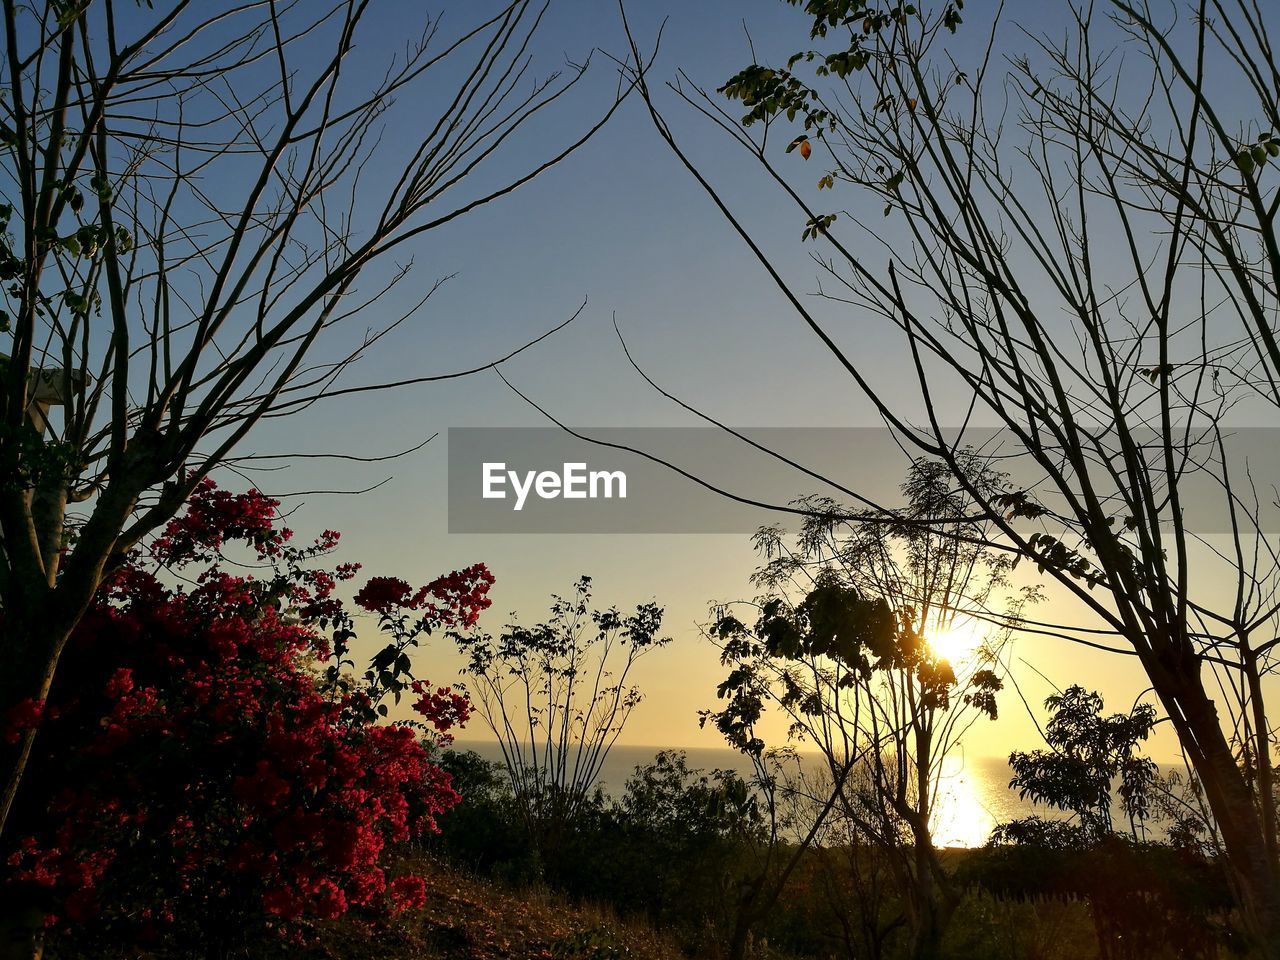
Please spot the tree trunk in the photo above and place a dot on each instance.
(21, 917)
(933, 909)
(1234, 807)
(934, 898)
(746, 916)
(927, 933)
(1262, 753)
(35, 654)
(740, 939)
(41, 608)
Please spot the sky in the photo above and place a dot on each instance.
(622, 226)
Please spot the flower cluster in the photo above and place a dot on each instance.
(455, 599)
(442, 707)
(193, 766)
(383, 594)
(21, 717)
(214, 517)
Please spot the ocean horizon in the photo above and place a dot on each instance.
(973, 798)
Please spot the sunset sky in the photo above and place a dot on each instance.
(623, 226)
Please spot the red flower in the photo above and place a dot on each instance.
(221, 768)
(382, 594)
(461, 596)
(442, 708)
(328, 900)
(283, 902)
(22, 716)
(263, 789)
(215, 516)
(121, 682)
(407, 893)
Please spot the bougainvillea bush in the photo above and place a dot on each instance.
(209, 768)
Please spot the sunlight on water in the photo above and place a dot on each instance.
(961, 817)
(972, 798)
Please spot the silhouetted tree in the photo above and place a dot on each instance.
(691, 835)
(192, 192)
(1078, 246)
(1147, 899)
(1090, 756)
(846, 644)
(557, 696)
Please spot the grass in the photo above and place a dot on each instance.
(471, 918)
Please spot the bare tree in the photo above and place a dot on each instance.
(1077, 246)
(191, 193)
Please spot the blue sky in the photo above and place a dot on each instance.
(622, 225)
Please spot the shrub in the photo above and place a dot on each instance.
(206, 770)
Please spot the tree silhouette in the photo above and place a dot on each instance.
(1078, 246)
(191, 197)
(841, 645)
(557, 697)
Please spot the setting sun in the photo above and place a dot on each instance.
(772, 480)
(957, 641)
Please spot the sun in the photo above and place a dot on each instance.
(958, 641)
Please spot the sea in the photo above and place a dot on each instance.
(973, 797)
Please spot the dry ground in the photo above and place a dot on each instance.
(469, 918)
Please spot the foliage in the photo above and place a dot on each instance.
(1147, 899)
(187, 213)
(595, 944)
(853, 26)
(556, 696)
(854, 34)
(688, 835)
(842, 646)
(1090, 755)
(205, 782)
(484, 832)
(673, 846)
(678, 845)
